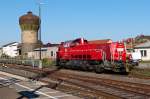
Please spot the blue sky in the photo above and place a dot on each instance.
(69, 19)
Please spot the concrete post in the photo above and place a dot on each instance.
(40, 64)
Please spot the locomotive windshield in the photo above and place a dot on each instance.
(67, 43)
(75, 42)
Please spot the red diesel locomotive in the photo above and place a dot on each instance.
(78, 54)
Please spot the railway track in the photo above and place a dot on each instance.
(92, 87)
(113, 87)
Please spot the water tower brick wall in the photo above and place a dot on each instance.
(29, 36)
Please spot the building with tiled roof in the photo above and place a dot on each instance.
(47, 51)
(10, 49)
(144, 49)
(143, 45)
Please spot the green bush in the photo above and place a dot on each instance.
(47, 63)
(140, 72)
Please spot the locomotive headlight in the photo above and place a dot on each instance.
(120, 58)
(65, 50)
(119, 49)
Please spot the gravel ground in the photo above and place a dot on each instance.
(8, 93)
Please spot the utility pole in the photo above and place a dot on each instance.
(39, 33)
(40, 30)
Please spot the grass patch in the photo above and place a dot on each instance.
(140, 72)
(144, 61)
(48, 63)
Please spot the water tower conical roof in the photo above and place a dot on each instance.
(29, 18)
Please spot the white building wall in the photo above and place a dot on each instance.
(144, 58)
(52, 52)
(1, 51)
(11, 50)
(36, 54)
(49, 52)
(31, 55)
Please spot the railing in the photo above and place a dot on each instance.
(26, 62)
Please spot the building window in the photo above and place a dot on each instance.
(143, 53)
(52, 53)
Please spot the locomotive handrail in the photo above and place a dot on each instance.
(112, 57)
(84, 50)
(103, 56)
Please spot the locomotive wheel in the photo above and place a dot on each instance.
(99, 68)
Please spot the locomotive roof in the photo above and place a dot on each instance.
(103, 41)
(70, 41)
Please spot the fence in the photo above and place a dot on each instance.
(26, 62)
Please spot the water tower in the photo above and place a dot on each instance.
(29, 24)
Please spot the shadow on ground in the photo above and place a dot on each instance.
(29, 94)
(43, 74)
(33, 94)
